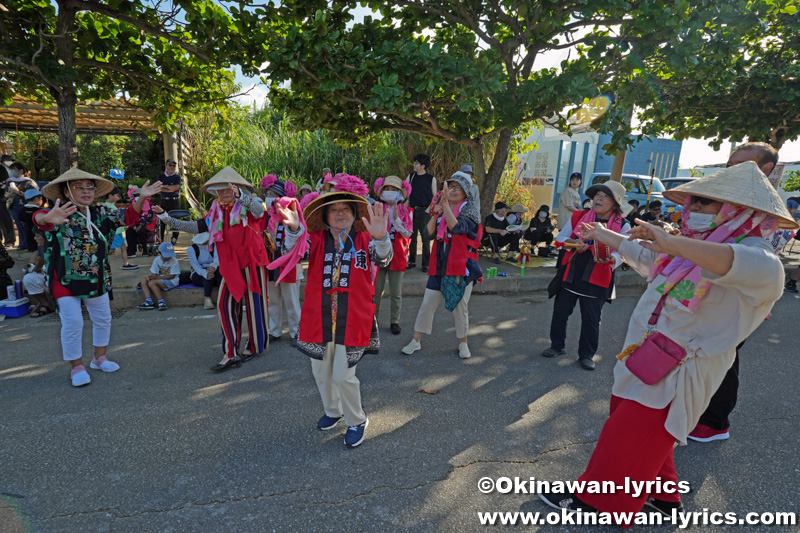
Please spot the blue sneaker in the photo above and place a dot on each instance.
(355, 434)
(327, 422)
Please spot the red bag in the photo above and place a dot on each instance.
(654, 359)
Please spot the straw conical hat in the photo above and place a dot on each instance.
(225, 176)
(313, 211)
(743, 184)
(53, 189)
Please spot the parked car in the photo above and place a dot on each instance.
(637, 186)
(671, 183)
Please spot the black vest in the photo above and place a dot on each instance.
(421, 190)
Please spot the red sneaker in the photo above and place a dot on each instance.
(703, 433)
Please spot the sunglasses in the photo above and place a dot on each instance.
(703, 201)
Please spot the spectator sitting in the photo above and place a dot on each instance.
(514, 218)
(36, 286)
(496, 235)
(163, 276)
(634, 214)
(541, 231)
(653, 212)
(33, 203)
(205, 266)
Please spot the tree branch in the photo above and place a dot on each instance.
(97, 7)
(31, 71)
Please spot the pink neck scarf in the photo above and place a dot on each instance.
(238, 214)
(442, 230)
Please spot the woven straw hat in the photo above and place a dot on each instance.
(616, 189)
(313, 211)
(744, 185)
(394, 181)
(226, 176)
(53, 189)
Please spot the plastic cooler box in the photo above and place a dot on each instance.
(14, 308)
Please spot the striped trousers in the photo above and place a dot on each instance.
(230, 315)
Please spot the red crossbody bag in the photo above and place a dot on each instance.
(657, 355)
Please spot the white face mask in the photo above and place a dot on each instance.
(390, 196)
(699, 221)
(7, 163)
(268, 200)
(543, 214)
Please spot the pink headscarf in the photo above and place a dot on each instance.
(733, 223)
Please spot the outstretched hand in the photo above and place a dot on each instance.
(60, 214)
(157, 209)
(376, 225)
(148, 190)
(653, 237)
(289, 215)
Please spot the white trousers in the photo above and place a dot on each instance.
(69, 309)
(280, 295)
(430, 303)
(338, 385)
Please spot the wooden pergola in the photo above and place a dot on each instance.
(102, 117)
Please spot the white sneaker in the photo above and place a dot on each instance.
(105, 366)
(81, 378)
(463, 350)
(208, 304)
(412, 347)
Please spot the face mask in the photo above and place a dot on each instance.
(498, 217)
(14, 173)
(7, 163)
(268, 200)
(699, 221)
(389, 196)
(543, 214)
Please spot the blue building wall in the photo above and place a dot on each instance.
(649, 153)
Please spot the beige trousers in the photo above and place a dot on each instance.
(284, 295)
(338, 385)
(430, 303)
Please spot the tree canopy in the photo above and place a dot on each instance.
(741, 81)
(463, 71)
(164, 57)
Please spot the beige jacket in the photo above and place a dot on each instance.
(735, 306)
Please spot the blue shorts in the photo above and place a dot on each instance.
(119, 240)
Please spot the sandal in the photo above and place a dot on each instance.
(41, 310)
(34, 311)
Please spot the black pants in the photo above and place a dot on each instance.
(207, 284)
(168, 204)
(724, 400)
(136, 236)
(421, 219)
(539, 236)
(590, 322)
(497, 241)
(6, 225)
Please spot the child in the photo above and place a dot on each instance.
(119, 237)
(163, 277)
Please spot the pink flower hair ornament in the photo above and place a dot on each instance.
(290, 189)
(268, 181)
(352, 184)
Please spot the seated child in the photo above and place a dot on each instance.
(164, 275)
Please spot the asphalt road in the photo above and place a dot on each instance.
(164, 445)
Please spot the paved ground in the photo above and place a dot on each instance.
(164, 445)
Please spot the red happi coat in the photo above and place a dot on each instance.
(355, 307)
(461, 248)
(241, 247)
(602, 273)
(400, 244)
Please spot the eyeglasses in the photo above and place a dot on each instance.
(703, 201)
(86, 188)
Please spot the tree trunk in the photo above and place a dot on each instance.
(491, 180)
(67, 101)
(65, 97)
